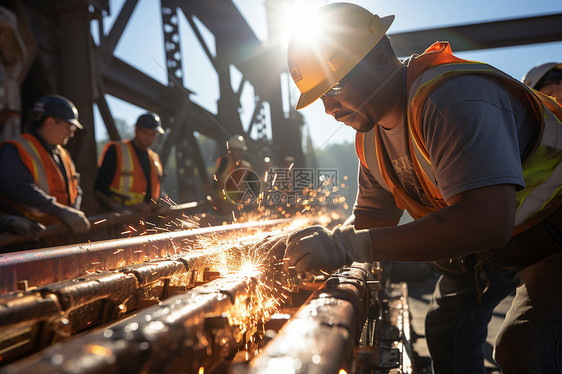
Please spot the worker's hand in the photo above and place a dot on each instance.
(272, 248)
(22, 226)
(142, 207)
(75, 219)
(316, 248)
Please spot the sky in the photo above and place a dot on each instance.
(141, 46)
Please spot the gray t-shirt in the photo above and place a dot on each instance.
(476, 133)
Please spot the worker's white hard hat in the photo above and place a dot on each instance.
(236, 142)
(538, 72)
(346, 33)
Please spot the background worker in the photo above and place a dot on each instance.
(546, 78)
(38, 177)
(130, 172)
(229, 173)
(474, 156)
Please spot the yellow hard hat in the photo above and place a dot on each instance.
(348, 33)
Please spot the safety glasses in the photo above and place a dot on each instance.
(72, 127)
(338, 87)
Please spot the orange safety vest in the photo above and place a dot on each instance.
(129, 180)
(541, 169)
(46, 174)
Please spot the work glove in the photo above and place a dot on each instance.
(21, 226)
(272, 248)
(316, 248)
(75, 219)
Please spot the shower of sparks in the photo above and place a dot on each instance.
(252, 254)
(168, 200)
(253, 258)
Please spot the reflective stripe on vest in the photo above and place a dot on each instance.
(542, 170)
(129, 183)
(127, 164)
(46, 175)
(38, 171)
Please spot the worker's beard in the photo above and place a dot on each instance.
(365, 127)
(365, 123)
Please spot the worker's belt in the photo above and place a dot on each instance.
(538, 242)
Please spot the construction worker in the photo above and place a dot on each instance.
(38, 177)
(231, 169)
(130, 172)
(473, 155)
(546, 78)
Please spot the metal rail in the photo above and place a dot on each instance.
(190, 332)
(101, 221)
(35, 319)
(39, 267)
(350, 325)
(321, 336)
(188, 320)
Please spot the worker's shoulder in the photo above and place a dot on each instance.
(112, 144)
(109, 151)
(9, 150)
(9, 157)
(470, 87)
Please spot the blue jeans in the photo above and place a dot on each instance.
(530, 338)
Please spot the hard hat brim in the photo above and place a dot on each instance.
(76, 123)
(307, 98)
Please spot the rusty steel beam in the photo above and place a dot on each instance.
(190, 332)
(49, 265)
(495, 34)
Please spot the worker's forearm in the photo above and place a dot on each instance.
(465, 227)
(363, 221)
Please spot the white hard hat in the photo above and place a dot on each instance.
(535, 74)
(236, 142)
